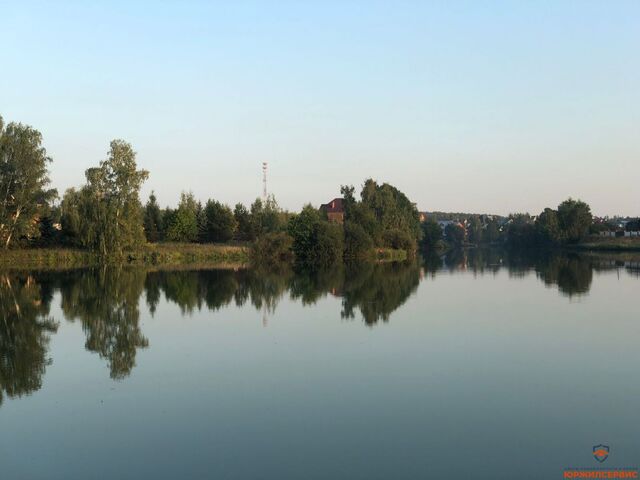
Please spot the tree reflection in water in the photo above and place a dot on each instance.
(106, 301)
(25, 329)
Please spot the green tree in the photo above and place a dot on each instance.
(152, 220)
(110, 202)
(381, 208)
(357, 242)
(183, 222)
(454, 233)
(245, 229)
(548, 226)
(521, 231)
(399, 240)
(328, 244)
(23, 182)
(431, 234)
(301, 228)
(219, 222)
(272, 249)
(266, 217)
(574, 217)
(391, 207)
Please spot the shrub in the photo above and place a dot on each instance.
(357, 242)
(399, 240)
(327, 244)
(272, 248)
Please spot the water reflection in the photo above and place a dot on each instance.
(571, 273)
(25, 329)
(106, 301)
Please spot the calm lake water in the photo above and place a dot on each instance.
(478, 365)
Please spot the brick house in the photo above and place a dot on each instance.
(334, 210)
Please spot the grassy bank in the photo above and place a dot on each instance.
(151, 254)
(611, 244)
(390, 255)
(156, 254)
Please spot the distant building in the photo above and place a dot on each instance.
(423, 216)
(334, 210)
(445, 223)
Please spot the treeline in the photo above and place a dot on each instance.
(105, 215)
(213, 222)
(383, 217)
(570, 223)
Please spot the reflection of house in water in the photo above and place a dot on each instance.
(334, 210)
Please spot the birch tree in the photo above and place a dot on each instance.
(24, 178)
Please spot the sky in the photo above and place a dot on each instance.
(487, 107)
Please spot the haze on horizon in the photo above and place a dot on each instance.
(462, 106)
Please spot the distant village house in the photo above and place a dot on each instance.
(334, 210)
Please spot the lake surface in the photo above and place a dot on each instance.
(477, 365)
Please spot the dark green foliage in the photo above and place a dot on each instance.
(381, 208)
(219, 224)
(399, 240)
(570, 223)
(271, 249)
(391, 207)
(521, 231)
(153, 227)
(328, 244)
(633, 225)
(548, 227)
(245, 230)
(454, 233)
(357, 242)
(431, 234)
(315, 241)
(301, 228)
(574, 218)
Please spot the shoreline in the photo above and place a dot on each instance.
(174, 255)
(169, 254)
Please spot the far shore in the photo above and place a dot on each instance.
(610, 244)
(174, 255)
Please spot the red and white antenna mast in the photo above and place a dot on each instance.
(264, 180)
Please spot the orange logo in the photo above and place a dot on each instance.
(601, 452)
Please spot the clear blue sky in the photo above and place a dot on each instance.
(466, 106)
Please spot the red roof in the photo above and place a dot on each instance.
(334, 206)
